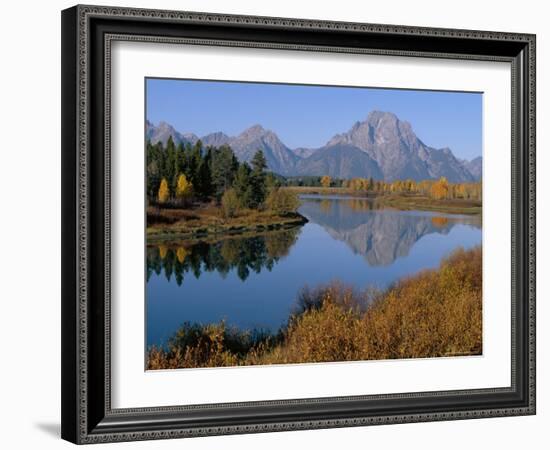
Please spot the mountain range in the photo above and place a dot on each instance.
(381, 147)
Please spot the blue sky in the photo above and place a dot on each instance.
(308, 116)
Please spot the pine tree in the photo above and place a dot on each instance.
(370, 184)
(242, 185)
(203, 185)
(153, 171)
(223, 168)
(258, 179)
(171, 162)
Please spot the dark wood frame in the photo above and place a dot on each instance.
(87, 32)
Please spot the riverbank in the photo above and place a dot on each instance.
(398, 201)
(417, 202)
(319, 190)
(208, 220)
(436, 313)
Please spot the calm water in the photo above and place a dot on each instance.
(253, 282)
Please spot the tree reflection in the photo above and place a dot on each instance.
(244, 255)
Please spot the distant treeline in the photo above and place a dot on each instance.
(180, 174)
(438, 189)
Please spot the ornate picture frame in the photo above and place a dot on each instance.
(88, 33)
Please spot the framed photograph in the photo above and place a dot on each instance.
(279, 224)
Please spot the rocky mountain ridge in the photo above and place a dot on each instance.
(381, 147)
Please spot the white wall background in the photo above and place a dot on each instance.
(30, 223)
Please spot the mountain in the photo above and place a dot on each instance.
(280, 159)
(339, 161)
(381, 147)
(161, 133)
(303, 152)
(215, 139)
(475, 167)
(399, 153)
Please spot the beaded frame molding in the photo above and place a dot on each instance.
(87, 35)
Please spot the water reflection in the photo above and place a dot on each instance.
(380, 235)
(245, 255)
(253, 281)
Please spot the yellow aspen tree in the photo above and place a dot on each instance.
(325, 181)
(163, 251)
(181, 253)
(164, 191)
(440, 189)
(183, 187)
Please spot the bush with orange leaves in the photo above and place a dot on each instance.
(434, 313)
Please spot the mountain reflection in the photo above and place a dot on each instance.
(242, 254)
(380, 235)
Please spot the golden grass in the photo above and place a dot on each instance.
(420, 202)
(325, 190)
(209, 220)
(434, 313)
(397, 200)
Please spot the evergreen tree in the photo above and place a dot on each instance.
(370, 184)
(181, 161)
(203, 186)
(272, 182)
(258, 179)
(152, 170)
(223, 168)
(242, 185)
(171, 163)
(195, 160)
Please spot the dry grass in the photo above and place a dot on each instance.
(300, 190)
(421, 202)
(208, 219)
(434, 313)
(397, 200)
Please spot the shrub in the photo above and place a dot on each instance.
(213, 345)
(282, 201)
(434, 313)
(230, 203)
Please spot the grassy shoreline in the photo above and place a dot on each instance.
(435, 313)
(208, 222)
(319, 190)
(399, 201)
(454, 206)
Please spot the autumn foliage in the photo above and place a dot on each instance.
(164, 192)
(325, 181)
(437, 189)
(434, 313)
(440, 189)
(184, 188)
